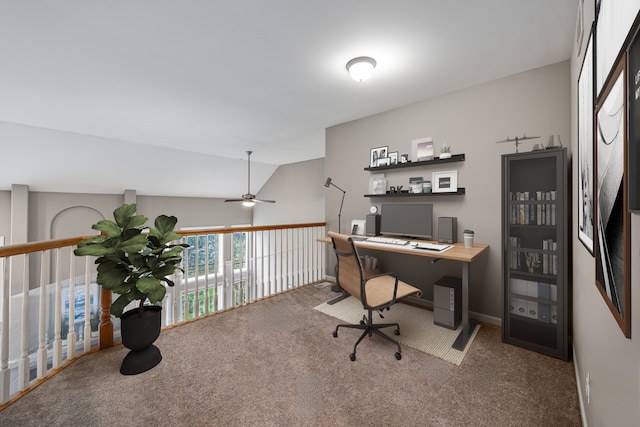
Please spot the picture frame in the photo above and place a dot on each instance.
(422, 149)
(376, 154)
(384, 161)
(633, 115)
(393, 158)
(586, 176)
(612, 232)
(415, 184)
(445, 182)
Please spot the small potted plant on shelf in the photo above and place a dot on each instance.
(136, 261)
(445, 151)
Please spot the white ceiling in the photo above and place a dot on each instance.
(217, 78)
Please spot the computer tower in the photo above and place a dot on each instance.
(447, 302)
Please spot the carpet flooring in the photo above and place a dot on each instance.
(417, 329)
(276, 363)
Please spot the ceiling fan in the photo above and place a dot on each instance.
(249, 199)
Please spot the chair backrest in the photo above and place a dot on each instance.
(349, 274)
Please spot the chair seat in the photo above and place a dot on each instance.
(379, 291)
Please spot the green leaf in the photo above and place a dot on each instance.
(165, 224)
(117, 307)
(109, 228)
(133, 245)
(93, 250)
(136, 221)
(152, 288)
(111, 275)
(124, 213)
(96, 240)
(157, 295)
(148, 284)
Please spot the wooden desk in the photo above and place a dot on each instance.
(457, 253)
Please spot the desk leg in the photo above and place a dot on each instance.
(467, 325)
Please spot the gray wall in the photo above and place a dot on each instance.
(298, 191)
(471, 121)
(601, 350)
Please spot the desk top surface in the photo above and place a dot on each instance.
(457, 252)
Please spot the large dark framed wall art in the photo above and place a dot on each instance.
(586, 176)
(633, 100)
(612, 232)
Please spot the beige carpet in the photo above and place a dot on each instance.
(417, 329)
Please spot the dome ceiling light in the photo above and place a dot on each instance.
(361, 68)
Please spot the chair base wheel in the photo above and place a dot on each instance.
(397, 332)
(335, 334)
(398, 356)
(352, 356)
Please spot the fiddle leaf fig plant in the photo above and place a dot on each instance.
(134, 261)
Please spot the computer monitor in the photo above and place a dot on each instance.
(407, 220)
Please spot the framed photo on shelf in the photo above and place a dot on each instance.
(384, 161)
(393, 158)
(585, 147)
(445, 182)
(422, 149)
(377, 154)
(612, 233)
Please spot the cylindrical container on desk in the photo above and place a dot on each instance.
(468, 238)
(426, 187)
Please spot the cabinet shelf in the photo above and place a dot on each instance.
(460, 191)
(536, 224)
(435, 161)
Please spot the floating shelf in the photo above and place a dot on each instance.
(457, 193)
(435, 161)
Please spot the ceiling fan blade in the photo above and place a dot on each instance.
(234, 200)
(264, 201)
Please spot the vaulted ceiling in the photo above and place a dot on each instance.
(202, 81)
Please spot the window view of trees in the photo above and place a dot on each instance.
(197, 254)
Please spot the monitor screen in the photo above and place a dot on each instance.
(407, 220)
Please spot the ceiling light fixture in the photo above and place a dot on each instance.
(361, 68)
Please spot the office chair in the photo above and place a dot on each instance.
(375, 292)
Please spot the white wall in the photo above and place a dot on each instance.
(536, 102)
(601, 350)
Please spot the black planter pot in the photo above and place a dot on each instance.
(138, 335)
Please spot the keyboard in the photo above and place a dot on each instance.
(387, 241)
(435, 247)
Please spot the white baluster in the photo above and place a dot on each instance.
(87, 305)
(42, 327)
(71, 333)
(5, 373)
(57, 341)
(23, 365)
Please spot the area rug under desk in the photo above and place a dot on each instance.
(416, 327)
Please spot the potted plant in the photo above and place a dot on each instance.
(445, 151)
(135, 261)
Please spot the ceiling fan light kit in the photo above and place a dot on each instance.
(248, 199)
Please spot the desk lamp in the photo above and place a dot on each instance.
(327, 184)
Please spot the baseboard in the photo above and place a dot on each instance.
(583, 412)
(429, 305)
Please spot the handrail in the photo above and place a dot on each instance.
(46, 288)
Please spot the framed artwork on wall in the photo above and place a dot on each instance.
(633, 105)
(612, 233)
(585, 147)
